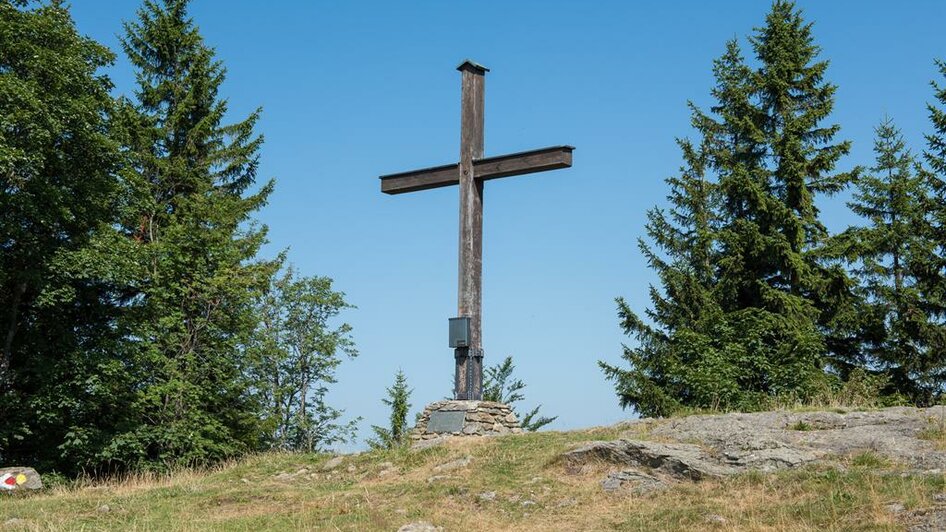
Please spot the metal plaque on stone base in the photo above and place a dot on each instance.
(446, 421)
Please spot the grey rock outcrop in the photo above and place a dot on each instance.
(713, 446)
(771, 437)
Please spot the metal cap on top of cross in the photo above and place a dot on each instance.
(470, 173)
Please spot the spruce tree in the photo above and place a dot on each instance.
(665, 363)
(800, 305)
(935, 153)
(749, 307)
(499, 386)
(189, 210)
(706, 345)
(795, 308)
(892, 255)
(933, 281)
(398, 400)
(795, 100)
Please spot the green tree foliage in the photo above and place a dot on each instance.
(189, 207)
(801, 154)
(672, 357)
(934, 280)
(295, 353)
(398, 401)
(894, 255)
(61, 387)
(748, 308)
(935, 153)
(499, 386)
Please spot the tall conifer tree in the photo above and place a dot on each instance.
(771, 308)
(934, 279)
(935, 153)
(893, 254)
(189, 210)
(802, 155)
(674, 362)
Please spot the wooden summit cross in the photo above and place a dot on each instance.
(472, 170)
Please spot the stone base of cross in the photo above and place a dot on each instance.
(470, 174)
(446, 419)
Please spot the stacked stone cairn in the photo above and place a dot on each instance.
(480, 418)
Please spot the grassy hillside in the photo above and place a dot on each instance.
(510, 483)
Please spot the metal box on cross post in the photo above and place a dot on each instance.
(460, 332)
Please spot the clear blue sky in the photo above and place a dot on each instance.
(353, 90)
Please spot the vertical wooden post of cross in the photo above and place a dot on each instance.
(469, 360)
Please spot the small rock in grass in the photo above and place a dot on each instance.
(639, 482)
(14, 521)
(611, 484)
(352, 468)
(386, 469)
(528, 502)
(940, 497)
(715, 519)
(420, 526)
(564, 503)
(333, 463)
(487, 496)
(455, 464)
(426, 444)
(104, 509)
(895, 507)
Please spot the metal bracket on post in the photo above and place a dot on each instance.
(471, 360)
(470, 355)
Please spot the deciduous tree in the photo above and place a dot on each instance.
(62, 388)
(294, 356)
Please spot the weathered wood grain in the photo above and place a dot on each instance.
(470, 289)
(527, 162)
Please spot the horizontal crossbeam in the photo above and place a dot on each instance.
(526, 162)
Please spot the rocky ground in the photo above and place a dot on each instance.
(654, 454)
